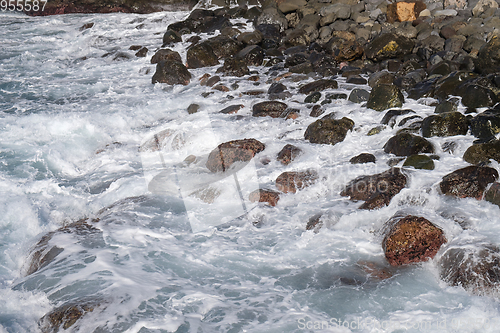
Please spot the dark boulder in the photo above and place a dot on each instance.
(318, 86)
(468, 182)
(388, 46)
(296, 180)
(273, 109)
(445, 124)
(488, 58)
(328, 131)
(359, 95)
(288, 154)
(313, 98)
(226, 154)
(201, 55)
(363, 158)
(483, 152)
(234, 67)
(376, 190)
(474, 267)
(406, 144)
(65, 316)
(344, 49)
(232, 109)
(411, 239)
(419, 162)
(223, 47)
(448, 85)
(486, 125)
(253, 55)
(201, 21)
(264, 195)
(390, 116)
(424, 88)
(171, 72)
(493, 194)
(171, 37)
(385, 96)
(276, 88)
(476, 96)
(166, 55)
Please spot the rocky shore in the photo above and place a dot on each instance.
(442, 54)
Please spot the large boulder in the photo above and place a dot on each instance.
(223, 46)
(65, 316)
(166, 55)
(486, 125)
(55, 7)
(385, 96)
(388, 46)
(272, 15)
(288, 154)
(493, 194)
(226, 154)
(343, 49)
(476, 96)
(273, 109)
(201, 55)
(411, 239)
(468, 182)
(483, 152)
(406, 144)
(445, 124)
(296, 180)
(234, 67)
(474, 267)
(253, 55)
(317, 86)
(376, 190)
(171, 72)
(201, 21)
(488, 58)
(328, 131)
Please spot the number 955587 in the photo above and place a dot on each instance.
(23, 5)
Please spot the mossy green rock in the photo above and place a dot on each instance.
(445, 124)
(483, 152)
(385, 96)
(201, 55)
(406, 144)
(328, 131)
(388, 46)
(488, 58)
(419, 162)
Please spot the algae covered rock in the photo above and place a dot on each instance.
(483, 152)
(328, 131)
(387, 46)
(468, 182)
(445, 124)
(385, 96)
(419, 162)
(406, 144)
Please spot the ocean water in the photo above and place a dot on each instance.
(75, 109)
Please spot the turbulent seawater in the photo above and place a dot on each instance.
(75, 106)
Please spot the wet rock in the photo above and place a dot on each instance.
(253, 55)
(250, 37)
(388, 46)
(381, 77)
(201, 21)
(411, 239)
(193, 108)
(272, 109)
(316, 111)
(474, 267)
(419, 162)
(171, 37)
(166, 55)
(450, 105)
(276, 88)
(486, 125)
(318, 86)
(483, 152)
(391, 115)
(342, 49)
(86, 26)
(376, 190)
(315, 223)
(288, 154)
(448, 84)
(313, 98)
(468, 182)
(328, 131)
(272, 15)
(296, 180)
(445, 124)
(356, 79)
(359, 95)
(363, 158)
(476, 96)
(142, 52)
(65, 316)
(171, 72)
(234, 67)
(45, 252)
(384, 96)
(423, 89)
(201, 55)
(226, 154)
(406, 144)
(488, 58)
(265, 195)
(493, 194)
(231, 109)
(223, 47)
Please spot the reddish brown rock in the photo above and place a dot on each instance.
(67, 315)
(264, 195)
(468, 182)
(377, 190)
(295, 180)
(166, 55)
(288, 154)
(272, 109)
(411, 239)
(228, 153)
